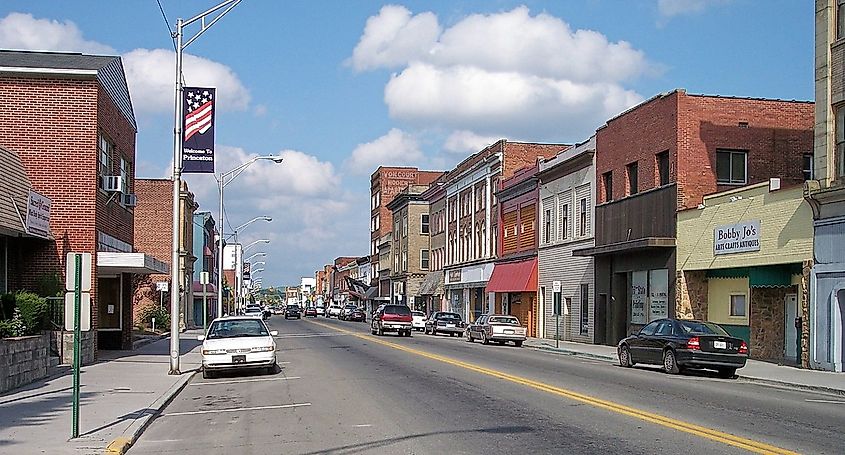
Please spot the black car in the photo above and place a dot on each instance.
(678, 344)
(292, 311)
(357, 315)
(445, 322)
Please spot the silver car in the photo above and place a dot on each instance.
(499, 328)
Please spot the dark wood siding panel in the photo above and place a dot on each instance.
(649, 214)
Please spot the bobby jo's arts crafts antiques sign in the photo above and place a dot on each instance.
(737, 238)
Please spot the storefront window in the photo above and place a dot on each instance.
(649, 295)
(738, 305)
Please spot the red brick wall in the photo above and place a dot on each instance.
(519, 155)
(113, 218)
(154, 218)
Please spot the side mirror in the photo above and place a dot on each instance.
(274, 333)
(200, 337)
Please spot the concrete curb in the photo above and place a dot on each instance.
(148, 340)
(122, 443)
(571, 352)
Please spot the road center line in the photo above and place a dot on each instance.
(238, 381)
(704, 432)
(825, 401)
(255, 408)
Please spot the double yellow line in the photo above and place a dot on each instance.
(707, 433)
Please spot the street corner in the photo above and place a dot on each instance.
(119, 445)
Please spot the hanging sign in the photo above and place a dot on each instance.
(198, 130)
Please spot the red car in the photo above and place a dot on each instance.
(311, 311)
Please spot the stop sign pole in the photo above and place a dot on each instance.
(78, 285)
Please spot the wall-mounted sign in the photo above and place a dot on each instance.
(737, 238)
(38, 215)
(658, 294)
(454, 276)
(639, 295)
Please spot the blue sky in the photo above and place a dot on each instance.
(339, 87)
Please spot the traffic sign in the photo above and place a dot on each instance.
(555, 286)
(70, 272)
(84, 315)
(162, 286)
(204, 279)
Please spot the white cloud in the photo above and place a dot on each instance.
(541, 80)
(260, 110)
(670, 8)
(396, 148)
(150, 75)
(25, 32)
(463, 142)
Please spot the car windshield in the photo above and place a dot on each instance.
(418, 313)
(236, 328)
(397, 309)
(701, 328)
(504, 320)
(453, 316)
(293, 307)
(252, 310)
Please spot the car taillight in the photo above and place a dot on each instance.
(743, 348)
(694, 343)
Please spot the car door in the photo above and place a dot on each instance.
(639, 344)
(477, 326)
(661, 338)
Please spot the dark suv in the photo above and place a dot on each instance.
(292, 311)
(392, 318)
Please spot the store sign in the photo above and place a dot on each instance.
(737, 238)
(38, 215)
(454, 276)
(658, 294)
(639, 295)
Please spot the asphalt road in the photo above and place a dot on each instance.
(344, 391)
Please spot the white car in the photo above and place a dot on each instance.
(238, 342)
(418, 322)
(334, 311)
(321, 310)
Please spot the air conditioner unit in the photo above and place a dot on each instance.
(111, 183)
(130, 200)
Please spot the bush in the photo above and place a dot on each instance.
(145, 316)
(33, 312)
(7, 307)
(13, 327)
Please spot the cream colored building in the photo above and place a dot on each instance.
(744, 259)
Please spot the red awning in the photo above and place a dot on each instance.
(514, 277)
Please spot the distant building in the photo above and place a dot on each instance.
(410, 253)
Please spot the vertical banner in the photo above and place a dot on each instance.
(246, 271)
(198, 130)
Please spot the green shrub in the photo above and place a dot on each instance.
(33, 311)
(13, 327)
(7, 307)
(162, 317)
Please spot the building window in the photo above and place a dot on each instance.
(633, 183)
(424, 227)
(607, 180)
(582, 217)
(840, 141)
(106, 150)
(396, 229)
(125, 173)
(547, 226)
(585, 308)
(731, 167)
(807, 166)
(424, 259)
(840, 19)
(405, 225)
(738, 305)
(564, 221)
(663, 167)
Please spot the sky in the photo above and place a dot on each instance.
(340, 87)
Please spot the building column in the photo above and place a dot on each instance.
(474, 241)
(487, 208)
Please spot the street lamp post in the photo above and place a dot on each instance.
(231, 175)
(175, 282)
(240, 282)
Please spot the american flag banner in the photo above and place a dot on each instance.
(198, 130)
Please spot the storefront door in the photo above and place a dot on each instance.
(790, 341)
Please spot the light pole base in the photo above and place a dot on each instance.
(174, 372)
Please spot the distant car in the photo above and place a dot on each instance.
(254, 311)
(292, 311)
(445, 322)
(334, 311)
(344, 312)
(498, 328)
(392, 318)
(357, 315)
(418, 322)
(237, 342)
(277, 309)
(321, 310)
(679, 343)
(311, 311)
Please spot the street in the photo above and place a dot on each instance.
(342, 391)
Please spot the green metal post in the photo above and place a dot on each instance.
(204, 310)
(557, 330)
(77, 333)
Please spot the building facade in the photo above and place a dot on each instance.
(342, 269)
(471, 221)
(96, 149)
(431, 289)
(826, 190)
(409, 251)
(566, 282)
(663, 156)
(205, 250)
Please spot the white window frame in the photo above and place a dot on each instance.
(426, 223)
(105, 149)
(426, 256)
(744, 306)
(583, 208)
(808, 171)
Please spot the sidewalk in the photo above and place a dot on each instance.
(755, 370)
(118, 396)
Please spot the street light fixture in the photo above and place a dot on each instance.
(178, 117)
(258, 218)
(260, 253)
(268, 219)
(255, 243)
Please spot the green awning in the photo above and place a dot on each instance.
(760, 277)
(734, 272)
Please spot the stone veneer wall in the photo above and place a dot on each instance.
(767, 322)
(87, 348)
(692, 294)
(23, 360)
(807, 269)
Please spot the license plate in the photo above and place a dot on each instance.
(508, 331)
(450, 326)
(238, 359)
(720, 344)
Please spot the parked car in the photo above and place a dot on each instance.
(237, 342)
(678, 344)
(292, 311)
(311, 311)
(392, 318)
(333, 311)
(357, 315)
(254, 311)
(418, 322)
(445, 322)
(499, 328)
(321, 310)
(344, 312)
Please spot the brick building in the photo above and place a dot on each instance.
(342, 268)
(205, 250)
(431, 289)
(153, 227)
(410, 254)
(663, 156)
(471, 221)
(69, 119)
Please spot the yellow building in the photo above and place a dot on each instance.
(744, 259)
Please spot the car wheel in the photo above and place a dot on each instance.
(727, 373)
(484, 339)
(518, 343)
(625, 357)
(408, 333)
(670, 363)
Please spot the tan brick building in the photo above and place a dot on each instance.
(410, 254)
